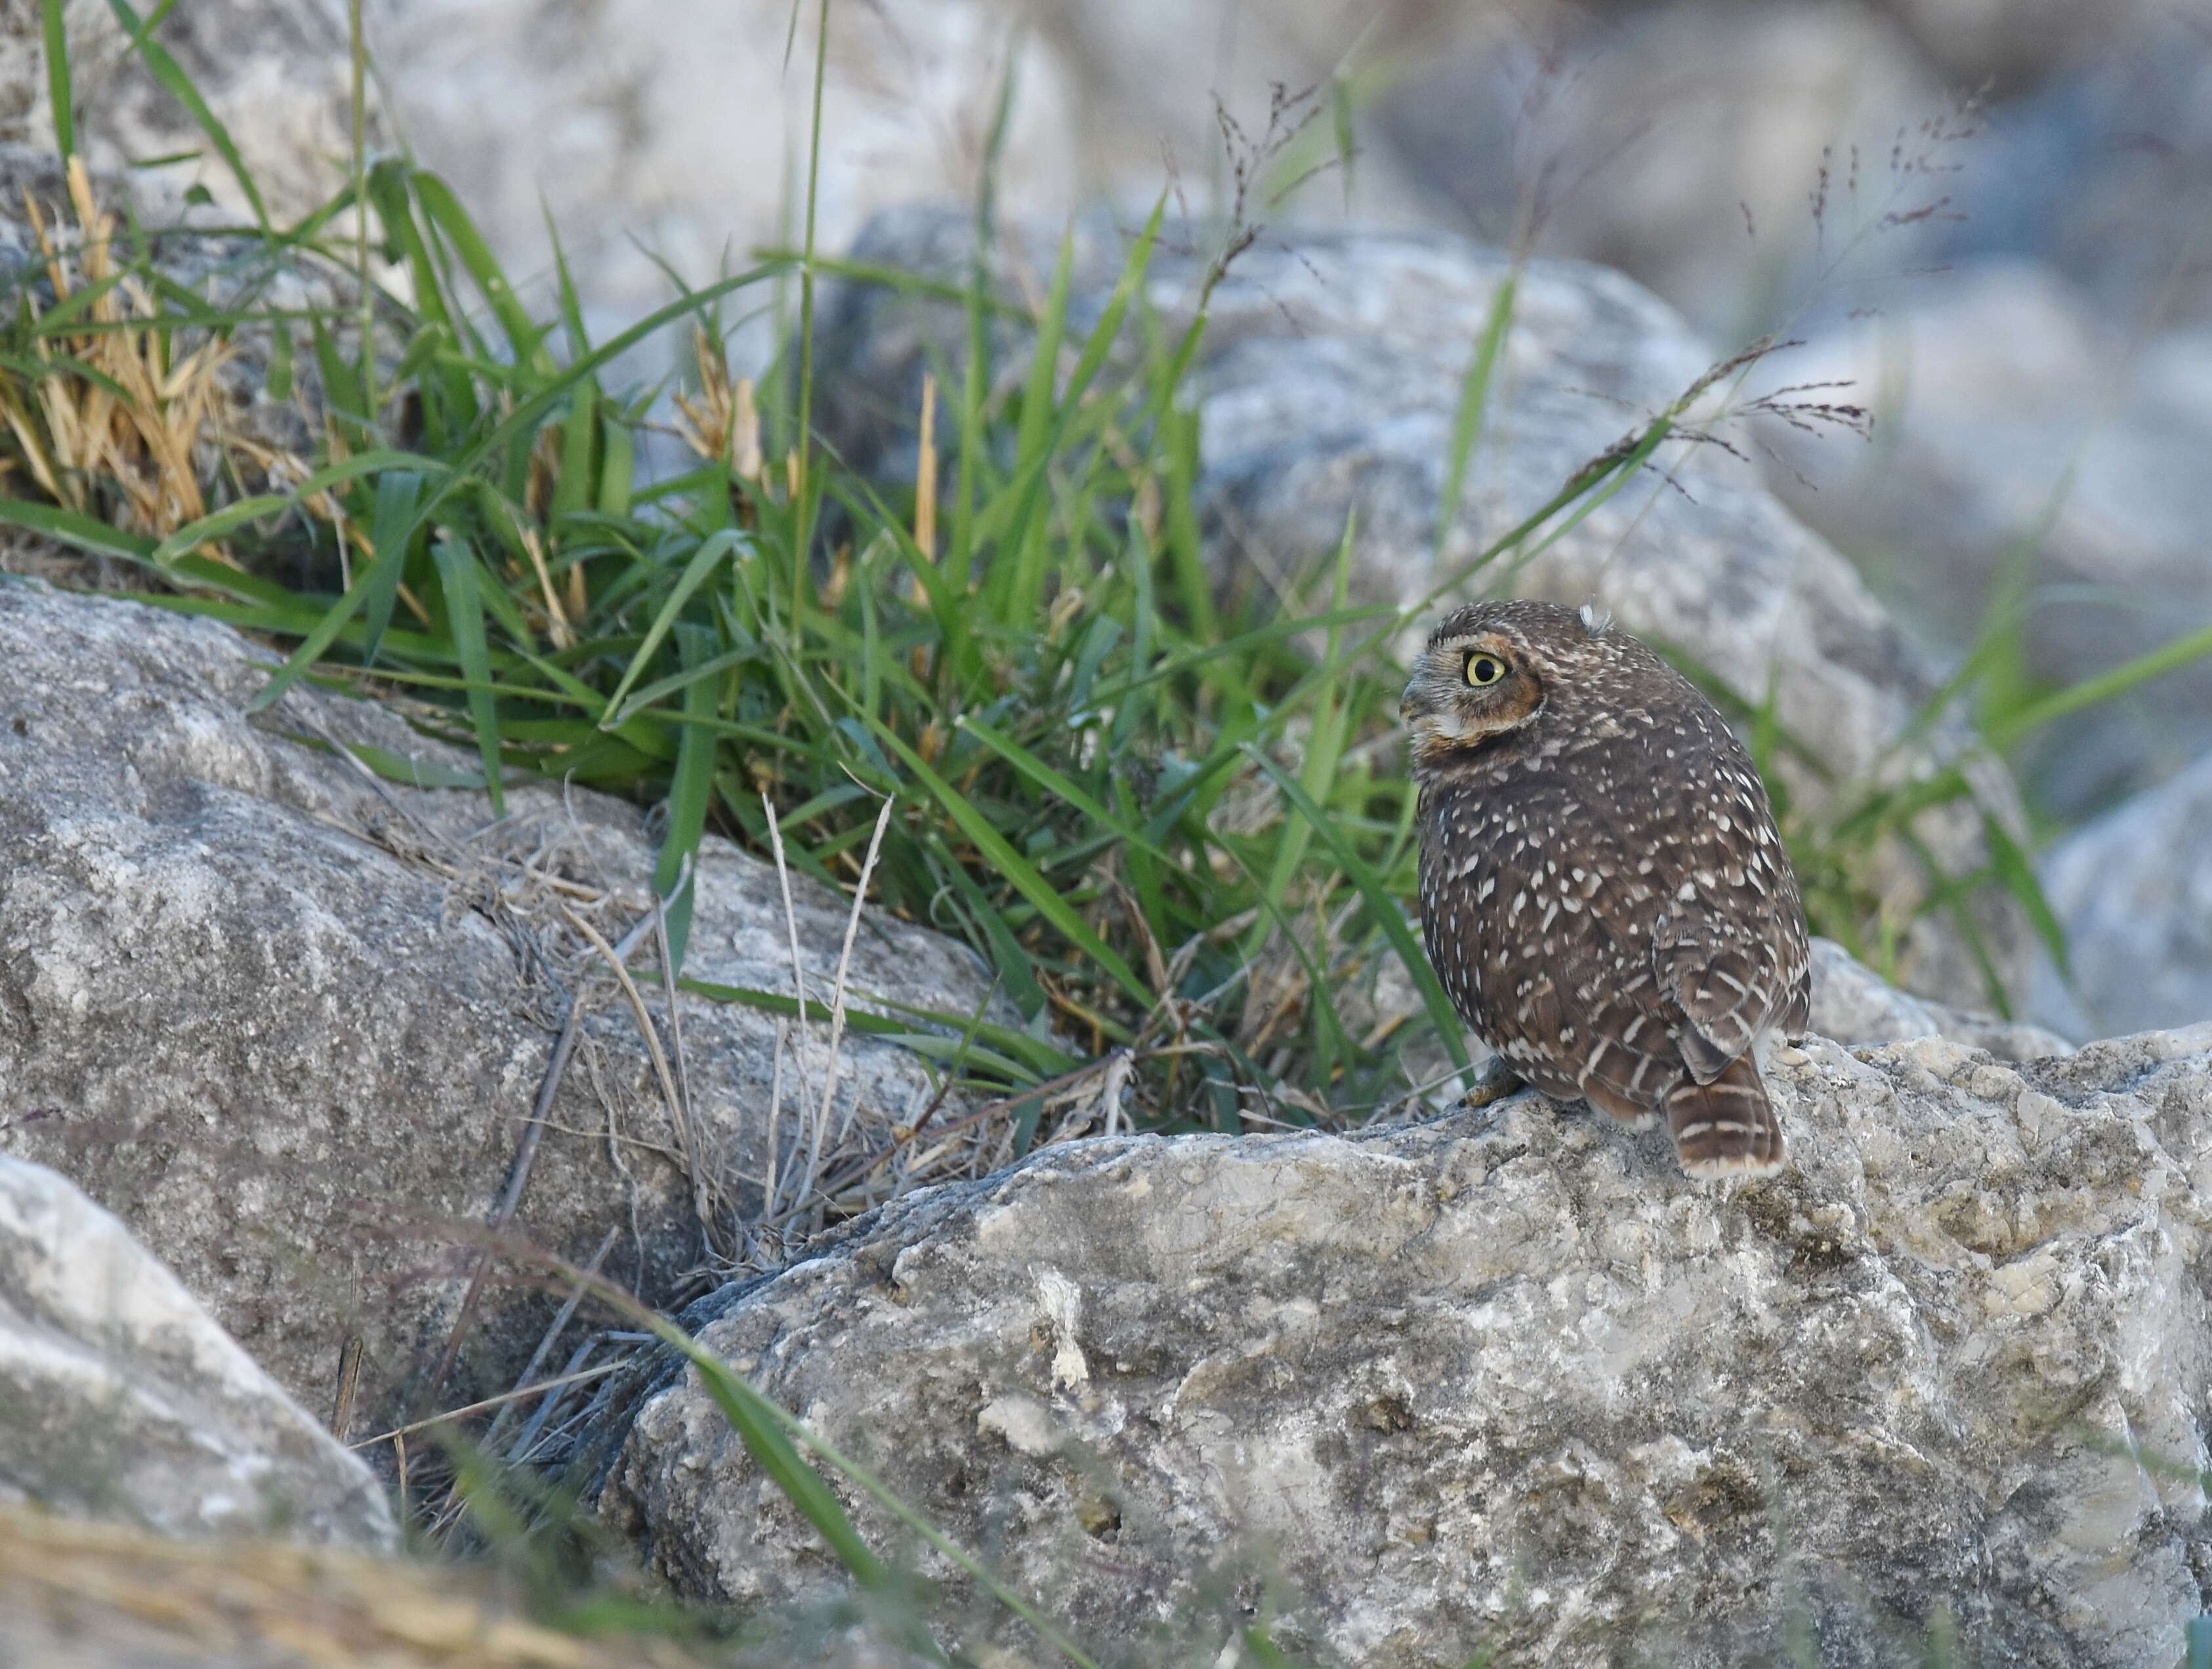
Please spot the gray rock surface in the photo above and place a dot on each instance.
(2014, 425)
(274, 72)
(288, 1028)
(1506, 1382)
(119, 1396)
(1682, 143)
(2009, 41)
(1855, 1007)
(2134, 892)
(1327, 385)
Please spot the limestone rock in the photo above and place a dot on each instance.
(2014, 41)
(1327, 386)
(274, 72)
(2134, 892)
(2015, 424)
(287, 1024)
(1681, 143)
(1508, 1383)
(119, 1396)
(1855, 1007)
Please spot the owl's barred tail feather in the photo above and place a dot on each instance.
(1726, 1127)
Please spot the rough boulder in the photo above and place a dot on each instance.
(1507, 1381)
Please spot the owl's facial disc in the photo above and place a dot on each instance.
(1465, 690)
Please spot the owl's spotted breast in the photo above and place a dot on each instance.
(1604, 894)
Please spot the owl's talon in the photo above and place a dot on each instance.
(1494, 1082)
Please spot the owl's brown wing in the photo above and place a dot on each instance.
(1731, 952)
(1729, 984)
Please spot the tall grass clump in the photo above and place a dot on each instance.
(1175, 834)
(1175, 827)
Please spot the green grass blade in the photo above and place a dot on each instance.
(221, 524)
(523, 338)
(457, 569)
(2017, 876)
(1061, 785)
(1324, 748)
(59, 86)
(689, 792)
(403, 768)
(1033, 438)
(711, 552)
(85, 533)
(991, 937)
(754, 1418)
(769, 1433)
(661, 688)
(1475, 404)
(1385, 909)
(884, 1497)
(617, 464)
(1018, 870)
(524, 416)
(1186, 546)
(2095, 691)
(392, 510)
(165, 69)
(803, 440)
(1588, 489)
(1016, 1053)
(1030, 478)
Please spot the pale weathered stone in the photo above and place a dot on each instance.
(1327, 387)
(2133, 891)
(274, 72)
(119, 1396)
(1685, 144)
(1854, 1006)
(1508, 1383)
(288, 1027)
(2026, 448)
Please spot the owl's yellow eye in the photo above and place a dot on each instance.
(1482, 670)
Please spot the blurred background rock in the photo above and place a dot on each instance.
(1992, 216)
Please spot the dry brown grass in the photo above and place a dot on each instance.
(118, 419)
(91, 1595)
(722, 422)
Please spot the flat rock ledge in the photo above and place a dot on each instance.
(1507, 1381)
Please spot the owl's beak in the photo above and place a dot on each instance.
(1409, 708)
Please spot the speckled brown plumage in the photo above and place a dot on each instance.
(1604, 894)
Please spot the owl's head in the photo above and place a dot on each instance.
(1489, 670)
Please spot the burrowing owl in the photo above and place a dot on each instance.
(1602, 888)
